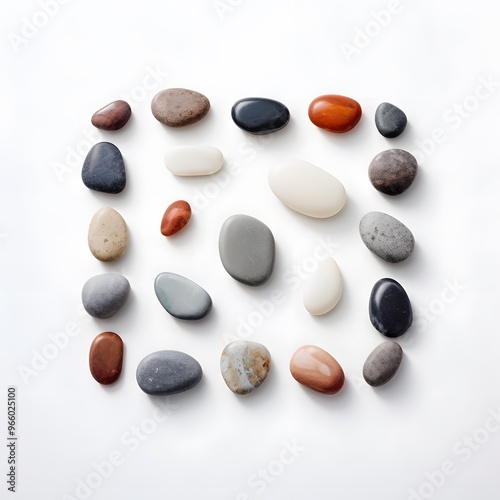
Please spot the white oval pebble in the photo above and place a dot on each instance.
(194, 160)
(323, 289)
(307, 189)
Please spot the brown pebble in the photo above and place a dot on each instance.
(179, 107)
(113, 116)
(317, 369)
(175, 218)
(106, 358)
(335, 113)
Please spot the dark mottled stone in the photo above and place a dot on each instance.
(247, 249)
(106, 358)
(181, 297)
(382, 363)
(103, 169)
(104, 295)
(179, 107)
(390, 120)
(393, 171)
(114, 116)
(259, 115)
(390, 309)
(386, 237)
(163, 373)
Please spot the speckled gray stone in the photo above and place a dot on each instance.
(163, 373)
(390, 120)
(179, 107)
(244, 365)
(103, 169)
(393, 171)
(181, 297)
(386, 237)
(247, 249)
(382, 363)
(104, 295)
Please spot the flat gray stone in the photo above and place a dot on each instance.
(390, 120)
(382, 363)
(393, 171)
(163, 373)
(386, 237)
(104, 295)
(247, 249)
(181, 297)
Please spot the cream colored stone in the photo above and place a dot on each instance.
(323, 288)
(108, 236)
(194, 160)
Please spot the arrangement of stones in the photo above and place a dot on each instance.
(247, 246)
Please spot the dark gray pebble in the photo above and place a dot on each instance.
(103, 169)
(382, 363)
(390, 120)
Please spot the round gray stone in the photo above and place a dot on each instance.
(247, 249)
(181, 297)
(104, 295)
(103, 169)
(382, 363)
(390, 120)
(393, 171)
(386, 237)
(163, 373)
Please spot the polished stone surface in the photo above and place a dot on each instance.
(113, 116)
(335, 113)
(105, 294)
(390, 308)
(247, 249)
(106, 358)
(181, 297)
(176, 217)
(244, 365)
(317, 369)
(163, 373)
(323, 288)
(104, 169)
(386, 237)
(307, 189)
(108, 235)
(193, 160)
(382, 363)
(393, 171)
(390, 120)
(259, 115)
(179, 107)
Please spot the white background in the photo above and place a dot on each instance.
(379, 444)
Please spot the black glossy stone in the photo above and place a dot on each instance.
(259, 115)
(103, 169)
(390, 120)
(390, 309)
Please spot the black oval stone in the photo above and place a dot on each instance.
(103, 169)
(259, 115)
(390, 309)
(390, 120)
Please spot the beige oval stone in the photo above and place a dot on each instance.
(317, 369)
(108, 236)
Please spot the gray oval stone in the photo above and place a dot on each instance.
(386, 237)
(104, 295)
(244, 365)
(390, 120)
(247, 249)
(393, 171)
(179, 107)
(382, 363)
(162, 373)
(103, 169)
(181, 297)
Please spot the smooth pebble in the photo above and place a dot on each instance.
(179, 107)
(382, 363)
(393, 171)
(194, 160)
(259, 115)
(323, 288)
(244, 365)
(390, 120)
(106, 357)
(335, 113)
(113, 116)
(104, 169)
(307, 189)
(108, 235)
(176, 217)
(105, 294)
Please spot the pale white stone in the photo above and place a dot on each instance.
(307, 189)
(194, 160)
(323, 288)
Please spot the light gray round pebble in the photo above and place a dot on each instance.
(104, 295)
(382, 363)
(181, 297)
(247, 249)
(163, 373)
(386, 237)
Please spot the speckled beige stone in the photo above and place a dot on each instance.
(108, 236)
(179, 107)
